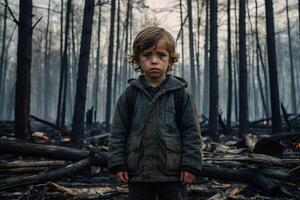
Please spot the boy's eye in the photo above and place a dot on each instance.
(147, 54)
(161, 54)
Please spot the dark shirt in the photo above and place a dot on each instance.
(154, 90)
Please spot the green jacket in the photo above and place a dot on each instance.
(154, 149)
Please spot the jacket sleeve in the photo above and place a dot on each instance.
(191, 136)
(118, 138)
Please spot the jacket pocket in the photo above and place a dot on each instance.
(169, 117)
(133, 152)
(171, 156)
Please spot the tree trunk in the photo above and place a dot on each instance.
(229, 65)
(96, 82)
(61, 75)
(63, 81)
(116, 75)
(292, 71)
(259, 57)
(213, 72)
(24, 52)
(182, 38)
(206, 63)
(191, 45)
(46, 66)
(243, 94)
(2, 94)
(110, 64)
(236, 110)
(80, 100)
(276, 120)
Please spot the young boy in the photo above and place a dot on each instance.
(155, 142)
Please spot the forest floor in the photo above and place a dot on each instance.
(277, 171)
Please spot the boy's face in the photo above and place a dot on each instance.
(155, 61)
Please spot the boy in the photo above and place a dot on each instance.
(155, 142)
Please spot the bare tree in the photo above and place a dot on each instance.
(110, 64)
(2, 62)
(206, 62)
(24, 52)
(191, 45)
(276, 120)
(46, 65)
(213, 72)
(292, 70)
(81, 85)
(60, 120)
(229, 98)
(243, 94)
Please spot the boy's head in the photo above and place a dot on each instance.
(148, 38)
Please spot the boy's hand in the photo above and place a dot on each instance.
(186, 177)
(122, 176)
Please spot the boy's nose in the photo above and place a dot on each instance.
(154, 59)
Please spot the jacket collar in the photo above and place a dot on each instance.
(172, 83)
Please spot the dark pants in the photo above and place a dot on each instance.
(157, 190)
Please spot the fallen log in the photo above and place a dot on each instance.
(50, 151)
(21, 163)
(243, 176)
(45, 176)
(51, 125)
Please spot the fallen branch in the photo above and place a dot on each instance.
(45, 176)
(50, 151)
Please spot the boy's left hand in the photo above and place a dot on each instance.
(186, 177)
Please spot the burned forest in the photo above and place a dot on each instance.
(64, 65)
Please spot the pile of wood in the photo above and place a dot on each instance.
(259, 166)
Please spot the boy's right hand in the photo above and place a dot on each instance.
(122, 176)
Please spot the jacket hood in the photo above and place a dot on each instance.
(173, 83)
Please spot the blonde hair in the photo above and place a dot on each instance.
(148, 38)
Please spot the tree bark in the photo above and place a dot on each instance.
(2, 57)
(229, 65)
(110, 64)
(191, 46)
(276, 120)
(213, 72)
(24, 52)
(243, 81)
(292, 70)
(82, 75)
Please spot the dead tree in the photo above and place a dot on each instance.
(110, 64)
(191, 46)
(24, 52)
(61, 108)
(292, 70)
(243, 94)
(206, 62)
(276, 120)
(2, 57)
(229, 98)
(213, 72)
(79, 106)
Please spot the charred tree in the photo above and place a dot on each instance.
(24, 52)
(80, 99)
(235, 73)
(259, 57)
(116, 77)
(206, 62)
(243, 94)
(110, 64)
(96, 82)
(191, 46)
(276, 120)
(60, 120)
(2, 94)
(46, 65)
(229, 65)
(182, 37)
(213, 72)
(292, 70)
